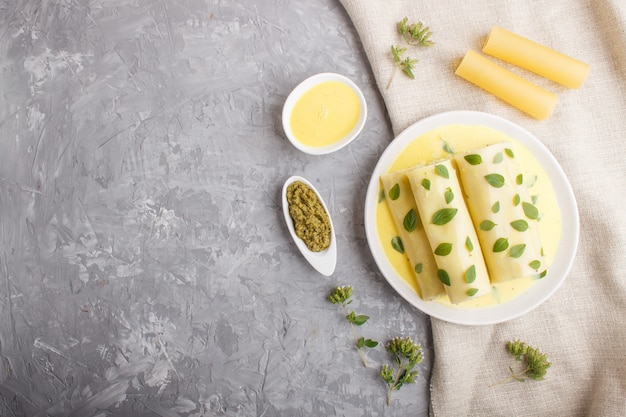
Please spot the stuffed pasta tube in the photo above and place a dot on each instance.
(460, 264)
(410, 229)
(503, 213)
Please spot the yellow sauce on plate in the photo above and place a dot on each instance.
(437, 144)
(325, 114)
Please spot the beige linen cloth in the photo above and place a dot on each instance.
(582, 327)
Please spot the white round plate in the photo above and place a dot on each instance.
(325, 261)
(305, 86)
(540, 290)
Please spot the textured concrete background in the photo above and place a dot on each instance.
(145, 267)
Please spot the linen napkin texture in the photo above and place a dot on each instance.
(582, 327)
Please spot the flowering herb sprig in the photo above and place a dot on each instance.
(407, 355)
(535, 363)
(341, 295)
(414, 34)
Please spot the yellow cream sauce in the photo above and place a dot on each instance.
(325, 114)
(461, 138)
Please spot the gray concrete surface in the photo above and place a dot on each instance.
(145, 267)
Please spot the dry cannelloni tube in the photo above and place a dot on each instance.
(460, 264)
(502, 211)
(502, 83)
(410, 229)
(535, 57)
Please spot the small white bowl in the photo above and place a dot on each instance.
(325, 261)
(305, 86)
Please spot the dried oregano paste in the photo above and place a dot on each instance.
(310, 220)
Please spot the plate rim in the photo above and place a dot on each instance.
(564, 258)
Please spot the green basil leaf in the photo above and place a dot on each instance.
(519, 179)
(449, 195)
(407, 70)
(516, 200)
(410, 221)
(381, 196)
(532, 181)
(394, 193)
(471, 292)
(447, 148)
(499, 157)
(468, 244)
(496, 207)
(359, 320)
(535, 264)
(443, 249)
(443, 277)
(419, 267)
(509, 152)
(473, 159)
(517, 250)
(397, 244)
(543, 273)
(500, 245)
(486, 225)
(470, 274)
(444, 216)
(426, 183)
(530, 211)
(520, 225)
(361, 342)
(371, 343)
(495, 180)
(442, 171)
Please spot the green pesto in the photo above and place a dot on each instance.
(310, 220)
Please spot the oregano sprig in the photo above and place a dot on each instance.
(407, 355)
(342, 295)
(415, 34)
(406, 64)
(535, 363)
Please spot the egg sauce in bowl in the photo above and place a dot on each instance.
(324, 113)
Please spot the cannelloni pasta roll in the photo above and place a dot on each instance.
(460, 264)
(503, 213)
(535, 57)
(410, 229)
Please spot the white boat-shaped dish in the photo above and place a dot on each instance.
(325, 261)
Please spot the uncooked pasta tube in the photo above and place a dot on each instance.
(513, 89)
(534, 57)
(504, 216)
(410, 229)
(452, 238)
